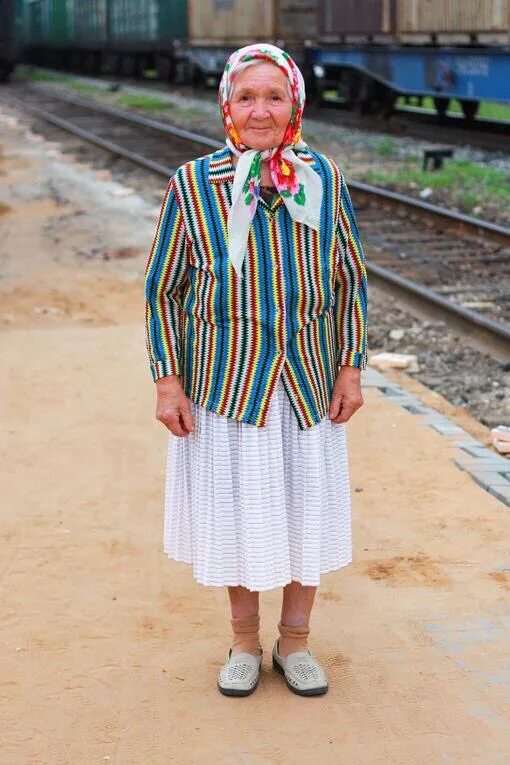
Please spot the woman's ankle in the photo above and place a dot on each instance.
(293, 638)
(246, 634)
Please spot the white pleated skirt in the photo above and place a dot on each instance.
(258, 506)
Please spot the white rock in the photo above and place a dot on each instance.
(503, 447)
(385, 360)
(397, 334)
(426, 193)
(122, 191)
(501, 433)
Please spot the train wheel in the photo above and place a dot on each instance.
(441, 105)
(139, 67)
(165, 68)
(127, 66)
(198, 79)
(5, 70)
(470, 109)
(363, 99)
(386, 99)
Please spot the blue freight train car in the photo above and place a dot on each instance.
(372, 77)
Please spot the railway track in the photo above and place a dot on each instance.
(488, 135)
(448, 265)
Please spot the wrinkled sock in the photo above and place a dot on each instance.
(292, 639)
(246, 634)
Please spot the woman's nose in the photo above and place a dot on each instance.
(260, 110)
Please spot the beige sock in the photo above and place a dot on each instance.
(246, 634)
(292, 638)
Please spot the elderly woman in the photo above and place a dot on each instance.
(256, 309)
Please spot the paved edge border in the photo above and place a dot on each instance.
(488, 469)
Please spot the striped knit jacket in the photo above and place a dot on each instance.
(298, 311)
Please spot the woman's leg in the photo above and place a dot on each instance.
(243, 602)
(297, 606)
(245, 621)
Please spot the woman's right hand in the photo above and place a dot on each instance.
(173, 407)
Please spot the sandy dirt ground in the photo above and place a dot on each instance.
(110, 651)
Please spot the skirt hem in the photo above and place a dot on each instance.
(264, 588)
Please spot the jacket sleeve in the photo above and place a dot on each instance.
(165, 275)
(350, 288)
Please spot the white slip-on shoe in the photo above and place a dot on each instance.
(239, 676)
(303, 674)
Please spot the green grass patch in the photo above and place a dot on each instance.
(469, 183)
(487, 109)
(190, 113)
(151, 103)
(386, 147)
(37, 75)
(495, 111)
(82, 87)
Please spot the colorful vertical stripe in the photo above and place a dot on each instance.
(299, 311)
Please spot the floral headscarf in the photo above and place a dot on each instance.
(298, 184)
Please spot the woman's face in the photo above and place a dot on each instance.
(260, 106)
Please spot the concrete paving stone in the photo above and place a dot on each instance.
(487, 478)
(501, 493)
(405, 401)
(415, 408)
(391, 390)
(472, 454)
(373, 379)
(465, 440)
(406, 398)
(477, 451)
(479, 464)
(434, 419)
(435, 416)
(485, 454)
(447, 430)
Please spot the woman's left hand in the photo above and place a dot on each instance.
(346, 397)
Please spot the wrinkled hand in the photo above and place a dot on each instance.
(173, 407)
(346, 397)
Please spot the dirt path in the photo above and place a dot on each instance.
(104, 654)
